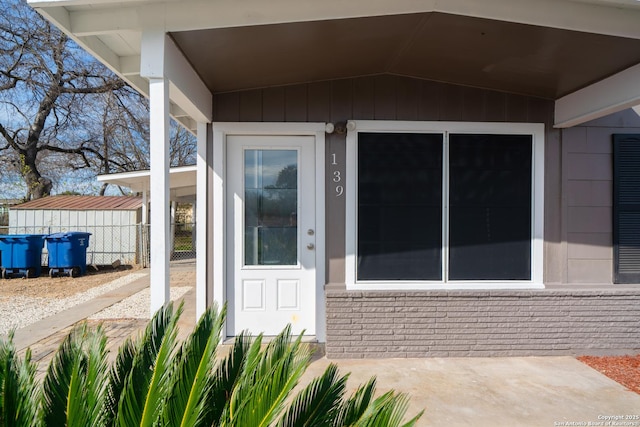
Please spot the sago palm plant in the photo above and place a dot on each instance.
(157, 381)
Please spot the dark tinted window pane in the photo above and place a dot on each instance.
(490, 207)
(399, 206)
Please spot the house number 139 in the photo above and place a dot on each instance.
(337, 177)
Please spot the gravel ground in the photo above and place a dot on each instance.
(136, 306)
(17, 311)
(61, 287)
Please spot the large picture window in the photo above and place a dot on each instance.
(444, 203)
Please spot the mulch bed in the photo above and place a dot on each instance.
(622, 369)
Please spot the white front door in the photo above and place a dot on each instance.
(271, 230)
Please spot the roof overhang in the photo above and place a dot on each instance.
(571, 51)
(182, 182)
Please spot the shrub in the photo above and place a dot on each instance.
(156, 380)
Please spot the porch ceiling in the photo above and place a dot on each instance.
(583, 54)
(504, 56)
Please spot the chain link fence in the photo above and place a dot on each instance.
(184, 241)
(126, 244)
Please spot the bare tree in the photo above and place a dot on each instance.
(45, 80)
(62, 111)
(124, 135)
(182, 146)
(121, 132)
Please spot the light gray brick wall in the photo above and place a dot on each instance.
(482, 323)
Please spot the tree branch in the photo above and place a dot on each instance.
(107, 87)
(11, 142)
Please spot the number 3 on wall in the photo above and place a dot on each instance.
(337, 177)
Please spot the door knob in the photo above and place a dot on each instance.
(311, 246)
(310, 232)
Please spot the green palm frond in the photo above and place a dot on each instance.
(18, 388)
(117, 380)
(94, 379)
(356, 406)
(412, 422)
(260, 396)
(245, 375)
(8, 383)
(154, 382)
(28, 392)
(382, 411)
(388, 410)
(191, 383)
(318, 403)
(227, 375)
(5, 361)
(146, 386)
(58, 383)
(73, 387)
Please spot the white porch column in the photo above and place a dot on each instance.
(145, 207)
(159, 155)
(170, 74)
(201, 221)
(172, 231)
(194, 212)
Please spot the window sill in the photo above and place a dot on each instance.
(439, 286)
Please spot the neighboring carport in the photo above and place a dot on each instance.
(182, 181)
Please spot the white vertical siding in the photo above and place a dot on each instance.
(82, 219)
(48, 218)
(13, 218)
(73, 219)
(64, 220)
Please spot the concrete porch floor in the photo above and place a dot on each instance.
(521, 391)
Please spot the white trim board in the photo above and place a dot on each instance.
(599, 17)
(608, 96)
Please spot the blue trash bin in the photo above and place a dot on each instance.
(68, 253)
(21, 255)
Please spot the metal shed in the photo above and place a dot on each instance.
(113, 222)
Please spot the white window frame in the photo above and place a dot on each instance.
(536, 130)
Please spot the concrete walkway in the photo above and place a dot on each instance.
(53, 325)
(44, 337)
(517, 391)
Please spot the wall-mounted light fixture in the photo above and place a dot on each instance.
(340, 127)
(351, 125)
(329, 128)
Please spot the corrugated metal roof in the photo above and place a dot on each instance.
(83, 203)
